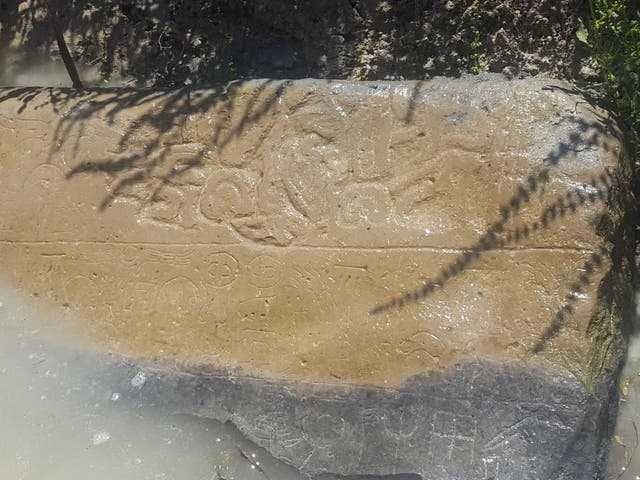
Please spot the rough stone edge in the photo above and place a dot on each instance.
(179, 391)
(611, 324)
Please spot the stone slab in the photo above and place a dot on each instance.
(336, 261)
(304, 313)
(473, 421)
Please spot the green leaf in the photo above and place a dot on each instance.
(582, 33)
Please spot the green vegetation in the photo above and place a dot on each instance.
(612, 32)
(360, 70)
(476, 47)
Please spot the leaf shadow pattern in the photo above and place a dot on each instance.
(76, 108)
(497, 237)
(413, 100)
(138, 167)
(589, 268)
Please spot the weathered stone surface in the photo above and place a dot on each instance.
(365, 278)
(477, 420)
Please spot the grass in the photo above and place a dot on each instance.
(612, 33)
(611, 30)
(476, 47)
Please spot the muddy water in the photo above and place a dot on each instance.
(624, 458)
(22, 67)
(62, 418)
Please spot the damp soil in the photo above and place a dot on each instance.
(179, 42)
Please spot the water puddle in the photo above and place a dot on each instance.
(64, 415)
(624, 456)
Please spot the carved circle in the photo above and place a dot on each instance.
(82, 292)
(228, 194)
(178, 291)
(175, 298)
(264, 271)
(131, 254)
(222, 269)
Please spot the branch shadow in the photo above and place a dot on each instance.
(176, 106)
(496, 237)
(590, 267)
(138, 167)
(413, 100)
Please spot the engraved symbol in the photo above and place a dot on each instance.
(264, 271)
(222, 269)
(365, 204)
(422, 343)
(179, 291)
(524, 431)
(292, 303)
(176, 297)
(185, 160)
(82, 292)
(254, 309)
(228, 194)
(453, 436)
(130, 254)
(42, 186)
(372, 161)
(491, 467)
(165, 205)
(214, 312)
(324, 426)
(137, 296)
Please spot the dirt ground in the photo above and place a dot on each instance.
(180, 42)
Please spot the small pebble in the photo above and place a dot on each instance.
(139, 379)
(100, 438)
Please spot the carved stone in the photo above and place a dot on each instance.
(365, 278)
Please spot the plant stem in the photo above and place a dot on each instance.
(64, 51)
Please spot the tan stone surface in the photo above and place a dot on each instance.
(263, 228)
